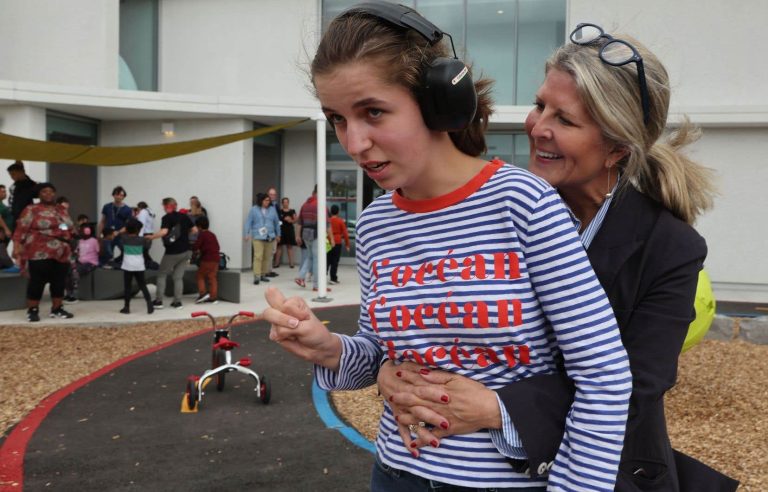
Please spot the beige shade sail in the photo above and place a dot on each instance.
(26, 149)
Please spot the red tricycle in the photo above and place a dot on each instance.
(221, 364)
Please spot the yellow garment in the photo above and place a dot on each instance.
(705, 312)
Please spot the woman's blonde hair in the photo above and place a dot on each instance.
(401, 55)
(612, 96)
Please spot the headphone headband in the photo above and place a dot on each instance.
(446, 94)
(401, 16)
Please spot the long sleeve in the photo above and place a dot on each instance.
(361, 353)
(590, 344)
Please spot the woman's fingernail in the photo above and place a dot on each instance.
(293, 322)
(397, 419)
(444, 425)
(414, 444)
(424, 371)
(392, 398)
(415, 453)
(444, 398)
(399, 374)
(433, 443)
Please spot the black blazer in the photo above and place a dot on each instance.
(648, 263)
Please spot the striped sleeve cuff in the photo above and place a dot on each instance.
(506, 439)
(326, 378)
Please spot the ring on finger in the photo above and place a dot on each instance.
(414, 428)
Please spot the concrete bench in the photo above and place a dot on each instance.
(103, 284)
(228, 280)
(13, 291)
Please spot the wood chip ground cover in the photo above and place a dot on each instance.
(718, 412)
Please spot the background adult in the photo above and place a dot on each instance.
(306, 234)
(6, 217)
(287, 217)
(41, 245)
(595, 134)
(174, 231)
(262, 228)
(273, 202)
(115, 214)
(23, 191)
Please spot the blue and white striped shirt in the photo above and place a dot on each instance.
(490, 282)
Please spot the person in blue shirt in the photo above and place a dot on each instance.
(262, 227)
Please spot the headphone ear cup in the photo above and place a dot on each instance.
(447, 96)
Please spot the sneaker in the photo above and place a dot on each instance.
(33, 314)
(272, 274)
(255, 281)
(61, 313)
(264, 278)
(70, 300)
(202, 298)
(125, 310)
(157, 304)
(211, 301)
(176, 305)
(333, 282)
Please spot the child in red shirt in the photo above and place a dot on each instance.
(207, 246)
(339, 229)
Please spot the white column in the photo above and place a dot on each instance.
(322, 285)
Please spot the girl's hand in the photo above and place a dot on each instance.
(447, 402)
(297, 330)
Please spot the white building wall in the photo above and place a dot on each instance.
(27, 122)
(709, 48)
(71, 43)
(299, 170)
(736, 229)
(252, 49)
(220, 177)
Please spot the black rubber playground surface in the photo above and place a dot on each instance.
(122, 428)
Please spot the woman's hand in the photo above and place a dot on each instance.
(448, 403)
(297, 330)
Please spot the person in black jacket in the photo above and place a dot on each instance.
(594, 135)
(23, 190)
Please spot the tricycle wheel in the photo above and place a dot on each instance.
(192, 394)
(265, 390)
(219, 359)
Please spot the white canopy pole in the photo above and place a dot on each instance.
(322, 283)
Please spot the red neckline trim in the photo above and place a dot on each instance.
(451, 198)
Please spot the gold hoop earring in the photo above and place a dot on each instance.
(608, 190)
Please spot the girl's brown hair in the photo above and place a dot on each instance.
(401, 56)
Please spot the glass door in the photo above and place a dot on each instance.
(344, 190)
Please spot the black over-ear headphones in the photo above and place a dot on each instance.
(447, 96)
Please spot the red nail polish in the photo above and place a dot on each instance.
(444, 425)
(414, 444)
(415, 453)
(433, 443)
(391, 398)
(399, 374)
(424, 371)
(444, 398)
(397, 419)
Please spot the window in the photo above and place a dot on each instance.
(506, 40)
(138, 45)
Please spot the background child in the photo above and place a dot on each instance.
(207, 246)
(87, 251)
(133, 265)
(340, 232)
(5, 259)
